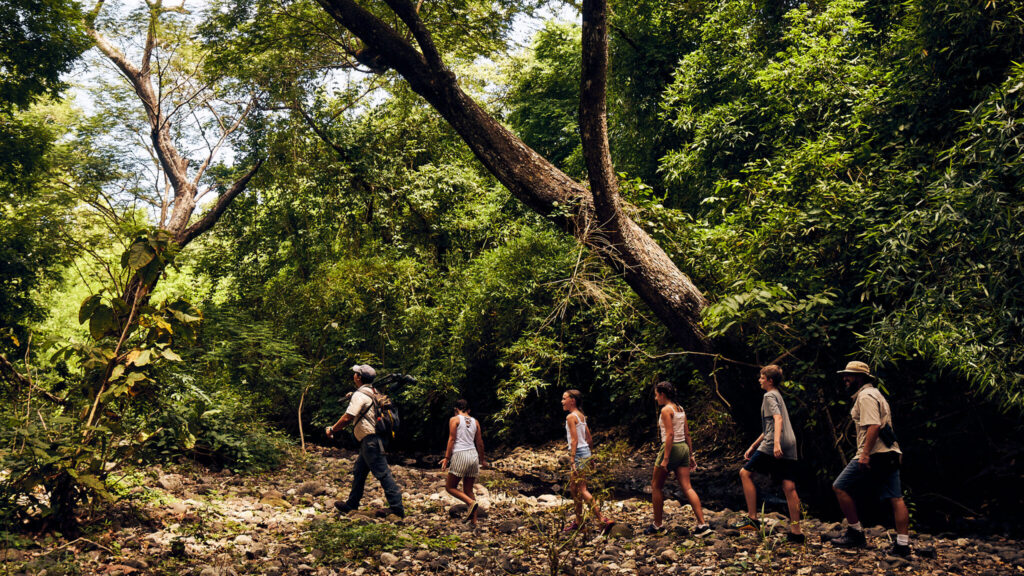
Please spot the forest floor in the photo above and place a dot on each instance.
(191, 521)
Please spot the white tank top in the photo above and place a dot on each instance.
(465, 434)
(581, 434)
(678, 426)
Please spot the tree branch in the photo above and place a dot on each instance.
(211, 217)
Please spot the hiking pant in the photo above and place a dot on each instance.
(372, 459)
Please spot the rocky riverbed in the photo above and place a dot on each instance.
(194, 522)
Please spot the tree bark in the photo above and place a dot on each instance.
(596, 216)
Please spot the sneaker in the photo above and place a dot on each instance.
(852, 539)
(795, 538)
(571, 527)
(606, 526)
(652, 529)
(343, 507)
(747, 523)
(901, 550)
(703, 530)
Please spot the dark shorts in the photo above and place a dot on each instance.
(778, 468)
(882, 477)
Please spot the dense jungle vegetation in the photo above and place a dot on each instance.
(183, 265)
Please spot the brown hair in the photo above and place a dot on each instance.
(461, 405)
(773, 373)
(665, 387)
(577, 397)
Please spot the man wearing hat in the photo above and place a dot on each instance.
(371, 448)
(876, 464)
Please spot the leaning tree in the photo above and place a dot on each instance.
(596, 214)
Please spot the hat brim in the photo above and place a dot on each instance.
(864, 374)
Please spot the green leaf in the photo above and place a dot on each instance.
(139, 255)
(117, 372)
(101, 321)
(170, 355)
(143, 357)
(88, 307)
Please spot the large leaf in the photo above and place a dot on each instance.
(101, 321)
(170, 355)
(88, 307)
(142, 358)
(139, 255)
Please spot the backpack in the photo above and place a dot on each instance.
(387, 421)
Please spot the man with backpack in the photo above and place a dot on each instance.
(363, 410)
(876, 466)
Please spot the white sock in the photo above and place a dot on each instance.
(903, 539)
(856, 526)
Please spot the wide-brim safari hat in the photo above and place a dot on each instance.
(857, 367)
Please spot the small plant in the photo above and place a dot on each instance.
(344, 540)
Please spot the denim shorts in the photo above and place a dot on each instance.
(856, 476)
(582, 458)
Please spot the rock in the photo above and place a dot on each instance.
(172, 483)
(506, 526)
(513, 566)
(312, 488)
(387, 559)
(275, 502)
(620, 530)
(137, 563)
(669, 556)
(424, 555)
(243, 540)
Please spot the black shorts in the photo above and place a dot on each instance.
(778, 468)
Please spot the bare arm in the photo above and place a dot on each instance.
(750, 451)
(341, 423)
(869, 444)
(670, 434)
(689, 444)
(571, 420)
(778, 435)
(480, 444)
(453, 426)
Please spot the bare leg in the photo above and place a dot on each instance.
(683, 474)
(847, 505)
(657, 496)
(793, 502)
(467, 487)
(749, 492)
(452, 487)
(901, 516)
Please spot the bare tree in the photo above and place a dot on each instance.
(596, 216)
(173, 94)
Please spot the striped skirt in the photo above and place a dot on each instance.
(464, 464)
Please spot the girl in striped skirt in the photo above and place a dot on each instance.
(464, 456)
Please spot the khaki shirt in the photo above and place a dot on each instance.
(871, 408)
(365, 425)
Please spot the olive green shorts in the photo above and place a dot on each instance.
(679, 456)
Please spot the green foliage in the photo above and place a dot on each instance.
(40, 40)
(344, 540)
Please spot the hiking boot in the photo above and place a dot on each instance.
(747, 523)
(703, 530)
(397, 512)
(652, 530)
(795, 538)
(901, 550)
(852, 539)
(343, 507)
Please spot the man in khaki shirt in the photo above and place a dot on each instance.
(361, 413)
(876, 464)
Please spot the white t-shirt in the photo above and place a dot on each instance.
(360, 401)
